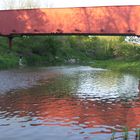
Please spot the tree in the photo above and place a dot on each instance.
(133, 39)
(20, 4)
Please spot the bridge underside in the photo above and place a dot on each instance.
(117, 20)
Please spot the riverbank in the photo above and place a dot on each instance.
(8, 61)
(11, 60)
(65, 50)
(118, 65)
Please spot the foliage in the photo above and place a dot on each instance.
(119, 65)
(8, 61)
(57, 50)
(20, 4)
(126, 134)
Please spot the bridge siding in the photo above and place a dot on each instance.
(91, 20)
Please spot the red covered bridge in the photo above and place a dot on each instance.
(109, 20)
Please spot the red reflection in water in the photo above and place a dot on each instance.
(70, 111)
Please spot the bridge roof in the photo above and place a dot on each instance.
(116, 20)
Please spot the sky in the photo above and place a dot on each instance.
(79, 3)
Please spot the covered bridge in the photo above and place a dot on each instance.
(106, 20)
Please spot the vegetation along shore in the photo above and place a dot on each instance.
(112, 52)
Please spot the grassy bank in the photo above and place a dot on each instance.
(63, 50)
(40, 51)
(126, 134)
(8, 61)
(11, 60)
(118, 65)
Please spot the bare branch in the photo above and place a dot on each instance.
(20, 4)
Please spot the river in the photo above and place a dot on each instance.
(67, 103)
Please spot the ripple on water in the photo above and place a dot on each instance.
(67, 103)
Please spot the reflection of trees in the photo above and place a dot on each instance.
(54, 102)
(107, 83)
(36, 103)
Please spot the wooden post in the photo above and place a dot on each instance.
(10, 38)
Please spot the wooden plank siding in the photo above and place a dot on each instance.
(109, 20)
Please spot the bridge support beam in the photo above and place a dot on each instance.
(10, 41)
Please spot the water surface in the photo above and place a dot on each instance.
(67, 103)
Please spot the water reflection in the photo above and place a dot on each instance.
(139, 86)
(24, 78)
(79, 103)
